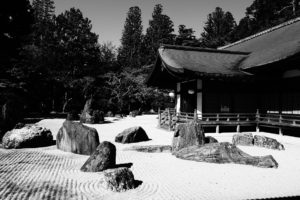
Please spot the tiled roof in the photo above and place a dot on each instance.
(269, 46)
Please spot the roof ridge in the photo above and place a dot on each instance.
(261, 33)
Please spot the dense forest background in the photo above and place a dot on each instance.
(52, 63)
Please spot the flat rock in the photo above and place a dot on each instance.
(119, 179)
(103, 158)
(267, 142)
(151, 148)
(188, 134)
(27, 137)
(224, 153)
(131, 135)
(77, 138)
(245, 139)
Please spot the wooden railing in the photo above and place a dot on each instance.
(169, 118)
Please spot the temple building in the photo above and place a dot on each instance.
(260, 72)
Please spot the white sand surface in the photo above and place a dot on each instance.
(48, 173)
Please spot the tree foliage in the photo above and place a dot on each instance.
(160, 31)
(263, 14)
(78, 51)
(129, 52)
(218, 29)
(16, 21)
(186, 37)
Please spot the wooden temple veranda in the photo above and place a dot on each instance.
(252, 82)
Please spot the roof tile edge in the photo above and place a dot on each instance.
(261, 33)
(188, 48)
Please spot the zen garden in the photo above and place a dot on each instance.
(166, 114)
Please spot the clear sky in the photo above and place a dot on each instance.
(108, 16)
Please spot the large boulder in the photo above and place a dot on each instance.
(27, 136)
(224, 153)
(90, 115)
(104, 157)
(267, 142)
(188, 134)
(119, 179)
(245, 139)
(131, 135)
(77, 138)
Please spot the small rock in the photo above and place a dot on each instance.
(77, 138)
(119, 179)
(267, 142)
(19, 125)
(131, 135)
(103, 158)
(188, 134)
(245, 139)
(210, 139)
(26, 137)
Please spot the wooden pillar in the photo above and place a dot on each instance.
(195, 115)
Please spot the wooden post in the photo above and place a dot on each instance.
(280, 128)
(218, 126)
(170, 119)
(238, 128)
(257, 120)
(218, 129)
(159, 118)
(195, 115)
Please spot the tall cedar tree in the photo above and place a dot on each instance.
(16, 20)
(160, 31)
(218, 29)
(44, 22)
(129, 52)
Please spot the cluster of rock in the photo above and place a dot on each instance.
(104, 159)
(27, 136)
(247, 139)
(189, 143)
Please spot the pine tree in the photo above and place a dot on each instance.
(218, 29)
(129, 52)
(160, 31)
(78, 49)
